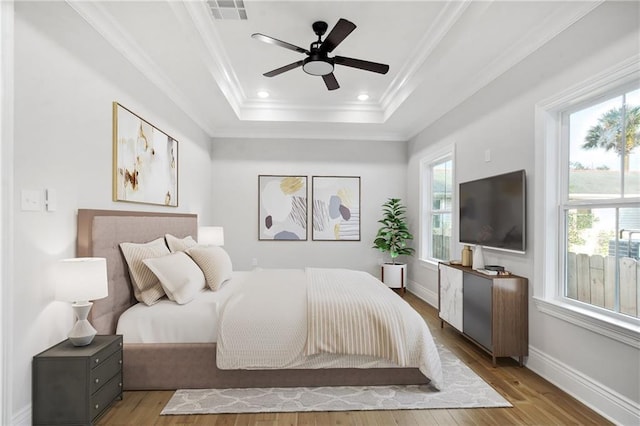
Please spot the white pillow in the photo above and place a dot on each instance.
(180, 277)
(146, 287)
(179, 244)
(214, 262)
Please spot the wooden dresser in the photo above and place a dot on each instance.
(75, 385)
(490, 310)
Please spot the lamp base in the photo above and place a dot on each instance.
(82, 332)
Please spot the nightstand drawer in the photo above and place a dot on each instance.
(103, 398)
(65, 391)
(105, 371)
(105, 353)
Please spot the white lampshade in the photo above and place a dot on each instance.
(81, 279)
(211, 235)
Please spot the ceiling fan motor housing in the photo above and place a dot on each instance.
(318, 63)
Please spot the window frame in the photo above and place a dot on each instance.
(438, 155)
(551, 183)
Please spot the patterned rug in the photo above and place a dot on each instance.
(464, 389)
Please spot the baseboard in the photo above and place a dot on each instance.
(431, 297)
(22, 417)
(607, 402)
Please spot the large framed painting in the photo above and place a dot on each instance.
(282, 208)
(336, 208)
(145, 161)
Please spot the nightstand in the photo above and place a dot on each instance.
(75, 385)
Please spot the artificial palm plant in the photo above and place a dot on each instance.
(393, 235)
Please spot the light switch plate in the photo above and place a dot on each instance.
(31, 200)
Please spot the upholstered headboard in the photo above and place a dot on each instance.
(99, 234)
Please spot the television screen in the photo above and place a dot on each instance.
(492, 211)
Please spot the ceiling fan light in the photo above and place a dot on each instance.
(317, 67)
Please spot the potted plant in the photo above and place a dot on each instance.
(392, 238)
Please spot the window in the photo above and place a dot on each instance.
(437, 190)
(600, 214)
(587, 198)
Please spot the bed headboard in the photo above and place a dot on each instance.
(99, 234)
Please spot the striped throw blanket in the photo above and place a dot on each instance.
(351, 312)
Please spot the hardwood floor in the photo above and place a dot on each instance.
(535, 401)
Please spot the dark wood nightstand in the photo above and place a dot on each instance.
(75, 385)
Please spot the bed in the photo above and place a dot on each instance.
(191, 362)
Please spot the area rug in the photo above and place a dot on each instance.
(464, 389)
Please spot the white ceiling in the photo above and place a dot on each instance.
(439, 53)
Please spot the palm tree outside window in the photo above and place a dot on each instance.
(600, 204)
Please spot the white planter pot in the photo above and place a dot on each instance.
(394, 276)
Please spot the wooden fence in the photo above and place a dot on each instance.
(591, 279)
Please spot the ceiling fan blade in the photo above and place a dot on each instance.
(330, 81)
(341, 30)
(363, 65)
(280, 43)
(283, 69)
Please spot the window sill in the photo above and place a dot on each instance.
(429, 264)
(623, 332)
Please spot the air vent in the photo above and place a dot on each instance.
(228, 9)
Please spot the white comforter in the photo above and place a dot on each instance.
(273, 320)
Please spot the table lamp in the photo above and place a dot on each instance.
(211, 235)
(79, 280)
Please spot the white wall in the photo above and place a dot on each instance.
(500, 118)
(237, 164)
(64, 89)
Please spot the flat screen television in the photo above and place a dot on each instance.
(492, 211)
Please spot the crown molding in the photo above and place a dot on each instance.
(197, 15)
(407, 79)
(96, 16)
(527, 44)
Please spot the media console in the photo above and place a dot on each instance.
(490, 310)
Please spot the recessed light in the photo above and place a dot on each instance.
(363, 97)
(263, 94)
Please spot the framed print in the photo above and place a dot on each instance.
(336, 208)
(282, 206)
(145, 161)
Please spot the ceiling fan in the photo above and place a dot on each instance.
(318, 61)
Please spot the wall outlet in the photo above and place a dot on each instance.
(487, 155)
(254, 262)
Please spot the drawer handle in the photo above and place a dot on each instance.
(97, 406)
(120, 361)
(97, 380)
(120, 384)
(97, 360)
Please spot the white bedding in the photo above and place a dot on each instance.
(264, 325)
(168, 322)
(259, 321)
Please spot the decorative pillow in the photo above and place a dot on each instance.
(146, 287)
(179, 244)
(180, 277)
(214, 262)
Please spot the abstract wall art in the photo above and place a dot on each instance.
(145, 161)
(282, 208)
(336, 208)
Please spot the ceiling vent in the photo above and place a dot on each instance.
(228, 9)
